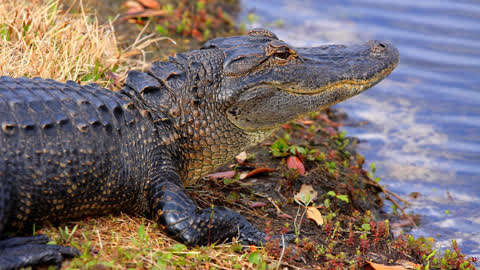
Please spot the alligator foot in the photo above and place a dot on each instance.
(178, 214)
(19, 252)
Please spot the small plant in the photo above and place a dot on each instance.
(279, 148)
(66, 235)
(342, 141)
(371, 173)
(331, 166)
(257, 260)
(340, 197)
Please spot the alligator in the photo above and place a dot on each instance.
(69, 151)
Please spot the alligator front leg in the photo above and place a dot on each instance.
(177, 213)
(20, 252)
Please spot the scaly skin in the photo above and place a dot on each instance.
(69, 151)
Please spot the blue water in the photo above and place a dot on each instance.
(423, 122)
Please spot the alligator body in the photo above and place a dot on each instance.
(68, 151)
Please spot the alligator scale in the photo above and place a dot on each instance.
(68, 151)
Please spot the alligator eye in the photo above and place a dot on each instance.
(282, 55)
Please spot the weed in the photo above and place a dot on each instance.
(340, 197)
(65, 235)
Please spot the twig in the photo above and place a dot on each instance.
(281, 254)
(279, 193)
(99, 239)
(388, 197)
(279, 211)
(299, 226)
(385, 190)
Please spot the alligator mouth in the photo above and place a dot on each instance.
(360, 84)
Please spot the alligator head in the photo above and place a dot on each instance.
(235, 91)
(266, 82)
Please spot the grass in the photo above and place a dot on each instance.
(122, 242)
(38, 38)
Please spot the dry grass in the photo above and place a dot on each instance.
(38, 38)
(125, 242)
(43, 39)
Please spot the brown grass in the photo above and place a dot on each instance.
(39, 38)
(117, 242)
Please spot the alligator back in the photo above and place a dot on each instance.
(60, 150)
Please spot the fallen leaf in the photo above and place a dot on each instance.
(259, 171)
(306, 122)
(243, 175)
(240, 158)
(286, 126)
(132, 6)
(294, 162)
(153, 4)
(197, 35)
(257, 204)
(306, 195)
(408, 264)
(131, 14)
(218, 175)
(377, 266)
(285, 216)
(315, 215)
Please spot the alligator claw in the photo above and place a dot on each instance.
(31, 251)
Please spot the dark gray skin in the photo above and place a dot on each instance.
(69, 151)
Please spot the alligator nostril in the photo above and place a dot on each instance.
(377, 48)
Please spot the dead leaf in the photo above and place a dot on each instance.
(315, 215)
(131, 14)
(377, 266)
(408, 264)
(219, 175)
(259, 171)
(240, 158)
(294, 162)
(257, 204)
(150, 4)
(197, 35)
(285, 216)
(306, 122)
(306, 195)
(133, 6)
(243, 175)
(286, 126)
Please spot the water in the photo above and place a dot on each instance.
(423, 122)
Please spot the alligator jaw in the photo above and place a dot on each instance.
(347, 84)
(333, 67)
